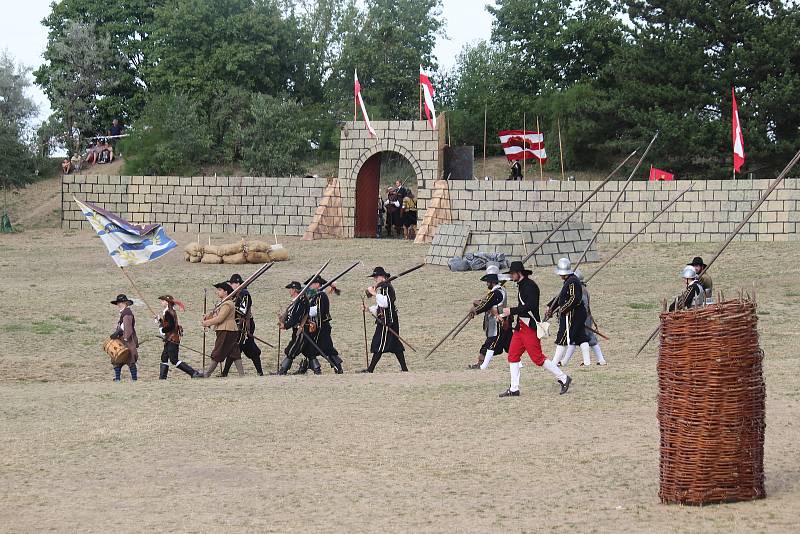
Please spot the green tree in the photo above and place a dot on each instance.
(76, 77)
(277, 138)
(169, 137)
(387, 43)
(127, 24)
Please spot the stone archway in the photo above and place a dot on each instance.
(414, 140)
(368, 192)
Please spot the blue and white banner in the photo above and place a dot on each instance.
(128, 244)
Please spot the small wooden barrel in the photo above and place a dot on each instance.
(711, 397)
(117, 351)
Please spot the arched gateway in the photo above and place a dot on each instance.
(359, 167)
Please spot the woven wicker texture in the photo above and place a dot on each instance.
(711, 398)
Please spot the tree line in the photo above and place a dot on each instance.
(266, 83)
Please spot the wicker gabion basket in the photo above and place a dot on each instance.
(711, 398)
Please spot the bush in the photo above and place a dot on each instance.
(169, 138)
(276, 140)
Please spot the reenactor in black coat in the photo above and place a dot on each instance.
(572, 313)
(319, 327)
(295, 318)
(385, 311)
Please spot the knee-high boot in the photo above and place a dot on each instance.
(226, 369)
(286, 364)
(315, 366)
(401, 358)
(186, 368)
(134, 372)
(162, 375)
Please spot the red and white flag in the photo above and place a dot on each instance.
(427, 97)
(657, 175)
(523, 144)
(738, 140)
(360, 102)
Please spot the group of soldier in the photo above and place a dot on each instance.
(399, 211)
(514, 330)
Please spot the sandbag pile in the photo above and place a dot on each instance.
(235, 254)
(477, 261)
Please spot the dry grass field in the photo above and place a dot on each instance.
(433, 450)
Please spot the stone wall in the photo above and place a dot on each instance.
(708, 213)
(199, 204)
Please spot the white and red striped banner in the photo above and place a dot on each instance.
(523, 144)
(738, 140)
(360, 102)
(427, 94)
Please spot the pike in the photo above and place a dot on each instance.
(774, 185)
(583, 203)
(267, 343)
(462, 321)
(641, 230)
(364, 316)
(205, 311)
(614, 205)
(395, 277)
(330, 282)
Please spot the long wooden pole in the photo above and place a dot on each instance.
(465, 319)
(420, 101)
(541, 171)
(641, 230)
(205, 311)
(485, 118)
(524, 147)
(767, 193)
(566, 219)
(138, 293)
(614, 205)
(364, 317)
(560, 148)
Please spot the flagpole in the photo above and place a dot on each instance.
(541, 172)
(136, 289)
(560, 150)
(485, 115)
(420, 101)
(524, 142)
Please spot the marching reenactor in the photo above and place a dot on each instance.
(571, 314)
(703, 277)
(594, 344)
(296, 318)
(387, 322)
(223, 319)
(319, 324)
(525, 336)
(496, 328)
(694, 294)
(171, 332)
(246, 325)
(126, 332)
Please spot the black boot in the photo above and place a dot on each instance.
(315, 366)
(286, 364)
(372, 364)
(134, 372)
(186, 368)
(164, 371)
(257, 365)
(226, 368)
(302, 368)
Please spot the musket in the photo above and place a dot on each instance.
(775, 183)
(463, 325)
(330, 282)
(396, 276)
(393, 331)
(462, 321)
(614, 205)
(282, 316)
(641, 230)
(566, 219)
(250, 279)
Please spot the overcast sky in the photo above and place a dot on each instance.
(23, 36)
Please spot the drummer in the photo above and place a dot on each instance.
(126, 332)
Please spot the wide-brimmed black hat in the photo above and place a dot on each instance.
(294, 284)
(493, 278)
(518, 267)
(698, 261)
(236, 279)
(225, 286)
(318, 279)
(378, 271)
(122, 298)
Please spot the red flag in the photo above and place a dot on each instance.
(360, 101)
(738, 140)
(523, 144)
(427, 93)
(656, 175)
